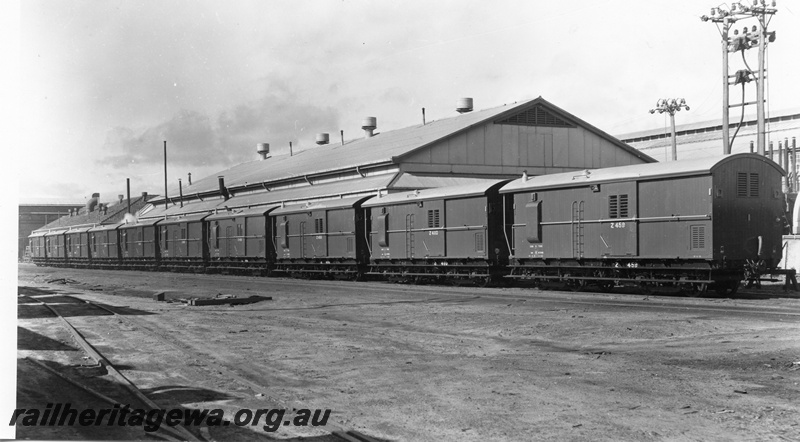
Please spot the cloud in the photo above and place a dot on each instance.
(198, 139)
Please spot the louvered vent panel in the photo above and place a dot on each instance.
(479, 242)
(612, 206)
(754, 183)
(350, 246)
(433, 218)
(623, 206)
(536, 116)
(741, 184)
(698, 237)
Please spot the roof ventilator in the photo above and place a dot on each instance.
(369, 124)
(261, 148)
(222, 190)
(464, 105)
(323, 138)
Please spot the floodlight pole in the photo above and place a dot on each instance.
(670, 106)
(166, 199)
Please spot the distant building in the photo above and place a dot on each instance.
(704, 139)
(35, 214)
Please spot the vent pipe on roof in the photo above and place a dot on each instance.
(369, 124)
(341, 132)
(128, 186)
(121, 198)
(423, 116)
(322, 138)
(524, 176)
(190, 178)
(92, 203)
(144, 195)
(290, 148)
(464, 105)
(263, 150)
(222, 189)
(180, 191)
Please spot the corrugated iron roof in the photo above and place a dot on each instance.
(140, 223)
(114, 214)
(320, 205)
(55, 232)
(638, 171)
(414, 181)
(183, 219)
(327, 190)
(225, 214)
(383, 147)
(102, 227)
(380, 148)
(195, 206)
(83, 229)
(464, 190)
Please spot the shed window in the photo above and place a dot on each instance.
(618, 206)
(433, 218)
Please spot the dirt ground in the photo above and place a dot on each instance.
(421, 363)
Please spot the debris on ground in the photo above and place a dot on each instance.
(227, 299)
(61, 281)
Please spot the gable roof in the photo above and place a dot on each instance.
(115, 213)
(387, 148)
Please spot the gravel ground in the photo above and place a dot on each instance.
(427, 362)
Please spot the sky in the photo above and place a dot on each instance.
(103, 84)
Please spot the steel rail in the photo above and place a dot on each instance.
(97, 356)
(340, 432)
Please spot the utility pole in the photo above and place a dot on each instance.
(166, 199)
(724, 16)
(670, 106)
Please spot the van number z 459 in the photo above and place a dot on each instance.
(617, 225)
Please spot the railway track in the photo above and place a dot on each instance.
(178, 432)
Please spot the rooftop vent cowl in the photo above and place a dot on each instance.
(92, 203)
(323, 138)
(464, 105)
(261, 148)
(222, 189)
(369, 124)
